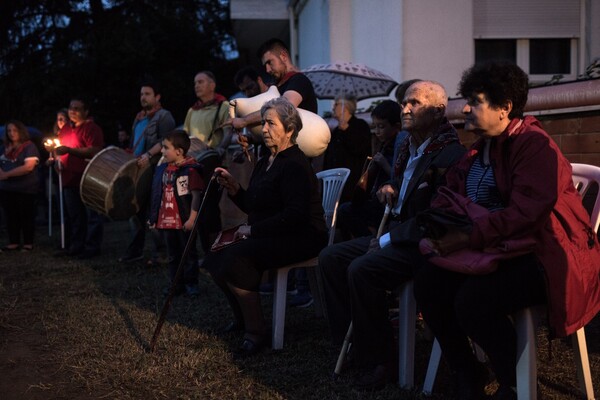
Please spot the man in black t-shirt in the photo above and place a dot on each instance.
(292, 84)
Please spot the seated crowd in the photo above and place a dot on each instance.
(416, 170)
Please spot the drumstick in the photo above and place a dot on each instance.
(346, 344)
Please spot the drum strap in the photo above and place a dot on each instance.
(156, 115)
(214, 124)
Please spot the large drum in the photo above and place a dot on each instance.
(112, 181)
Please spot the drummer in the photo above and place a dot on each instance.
(150, 126)
(78, 144)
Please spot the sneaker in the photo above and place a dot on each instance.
(192, 289)
(266, 288)
(301, 300)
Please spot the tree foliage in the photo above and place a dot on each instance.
(103, 49)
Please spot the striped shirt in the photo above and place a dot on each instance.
(481, 186)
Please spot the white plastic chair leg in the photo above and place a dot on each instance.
(432, 367)
(407, 312)
(583, 363)
(526, 355)
(279, 303)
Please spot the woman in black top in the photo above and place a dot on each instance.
(285, 222)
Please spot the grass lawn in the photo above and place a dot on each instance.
(78, 329)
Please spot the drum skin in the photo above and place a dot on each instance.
(112, 183)
(312, 139)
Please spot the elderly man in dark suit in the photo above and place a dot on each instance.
(356, 274)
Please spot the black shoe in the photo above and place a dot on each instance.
(471, 382)
(301, 300)
(504, 392)
(375, 379)
(179, 290)
(248, 348)
(128, 258)
(232, 327)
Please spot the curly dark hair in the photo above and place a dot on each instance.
(500, 81)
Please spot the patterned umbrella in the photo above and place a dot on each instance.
(330, 80)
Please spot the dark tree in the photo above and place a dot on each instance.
(53, 49)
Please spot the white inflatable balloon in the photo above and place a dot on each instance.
(312, 139)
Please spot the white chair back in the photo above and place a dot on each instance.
(584, 176)
(333, 184)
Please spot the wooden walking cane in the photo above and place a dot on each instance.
(191, 242)
(346, 345)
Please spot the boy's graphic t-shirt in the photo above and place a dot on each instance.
(168, 215)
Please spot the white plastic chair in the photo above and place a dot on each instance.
(526, 320)
(333, 184)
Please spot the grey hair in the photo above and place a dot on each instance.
(349, 101)
(287, 113)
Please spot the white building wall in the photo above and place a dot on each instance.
(437, 40)
(340, 30)
(313, 33)
(593, 20)
(377, 35)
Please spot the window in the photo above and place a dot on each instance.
(549, 56)
(495, 49)
(542, 59)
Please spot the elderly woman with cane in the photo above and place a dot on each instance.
(517, 173)
(285, 223)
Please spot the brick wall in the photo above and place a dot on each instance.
(577, 135)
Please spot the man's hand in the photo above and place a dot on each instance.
(61, 150)
(243, 232)
(243, 141)
(3, 175)
(379, 159)
(188, 225)
(236, 123)
(386, 195)
(373, 245)
(143, 161)
(452, 241)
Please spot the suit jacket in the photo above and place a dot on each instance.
(443, 151)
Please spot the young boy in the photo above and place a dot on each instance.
(362, 215)
(176, 194)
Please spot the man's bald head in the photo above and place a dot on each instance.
(423, 108)
(433, 92)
